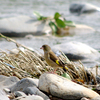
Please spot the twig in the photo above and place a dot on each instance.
(96, 70)
(12, 40)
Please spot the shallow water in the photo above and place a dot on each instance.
(10, 8)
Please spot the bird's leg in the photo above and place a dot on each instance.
(54, 71)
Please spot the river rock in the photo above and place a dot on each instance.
(63, 88)
(23, 84)
(22, 25)
(77, 50)
(19, 93)
(79, 29)
(7, 90)
(30, 97)
(3, 95)
(34, 90)
(97, 98)
(5, 82)
(83, 8)
(28, 86)
(84, 98)
(8, 81)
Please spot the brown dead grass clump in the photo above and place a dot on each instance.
(29, 63)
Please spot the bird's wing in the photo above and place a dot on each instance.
(54, 58)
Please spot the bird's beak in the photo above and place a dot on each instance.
(41, 48)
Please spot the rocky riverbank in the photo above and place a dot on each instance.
(24, 75)
(47, 87)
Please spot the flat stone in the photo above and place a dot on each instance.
(79, 29)
(63, 88)
(22, 25)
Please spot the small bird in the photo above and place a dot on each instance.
(52, 59)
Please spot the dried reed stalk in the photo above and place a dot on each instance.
(29, 63)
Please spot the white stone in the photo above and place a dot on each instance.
(23, 25)
(20, 26)
(30, 97)
(63, 88)
(76, 48)
(79, 29)
(3, 95)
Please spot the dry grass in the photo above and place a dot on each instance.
(28, 63)
(31, 64)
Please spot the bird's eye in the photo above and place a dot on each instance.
(44, 46)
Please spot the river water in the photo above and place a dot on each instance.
(9, 8)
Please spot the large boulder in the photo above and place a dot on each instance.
(28, 86)
(80, 8)
(63, 88)
(22, 25)
(77, 50)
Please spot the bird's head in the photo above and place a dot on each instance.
(45, 48)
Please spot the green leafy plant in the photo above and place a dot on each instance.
(39, 16)
(60, 23)
(99, 51)
(53, 27)
(66, 76)
(56, 22)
